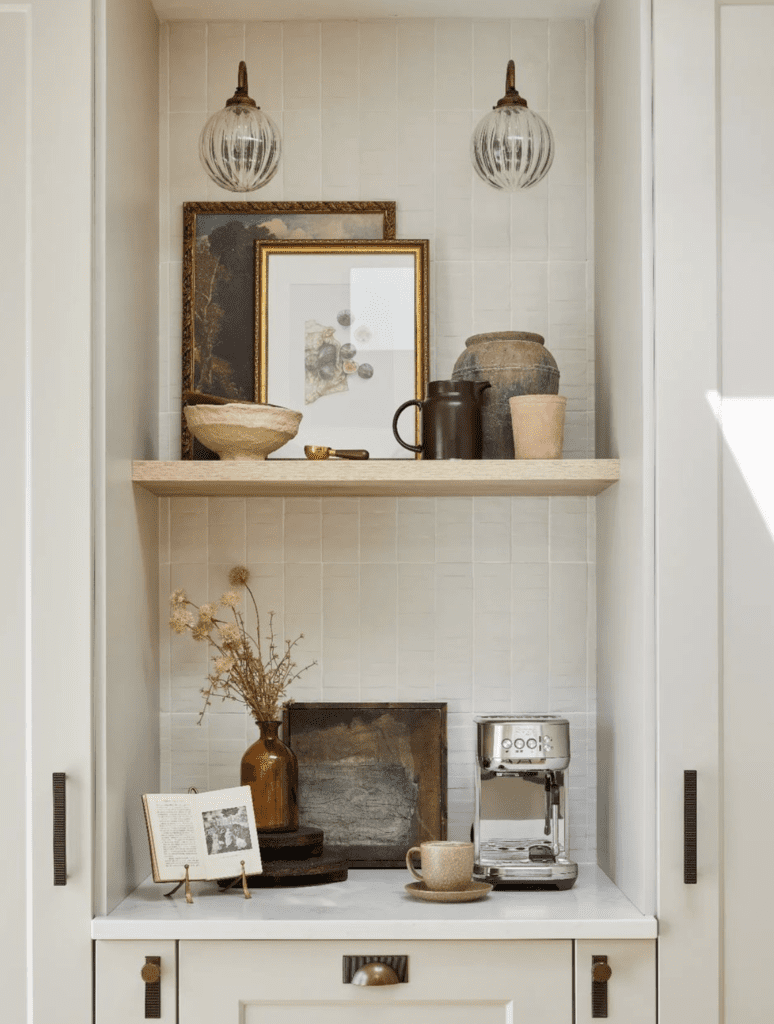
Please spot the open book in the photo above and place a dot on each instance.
(210, 832)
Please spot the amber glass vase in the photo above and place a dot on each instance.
(270, 769)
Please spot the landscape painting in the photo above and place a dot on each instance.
(219, 355)
(371, 776)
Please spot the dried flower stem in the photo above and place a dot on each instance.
(240, 672)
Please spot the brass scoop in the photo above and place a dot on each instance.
(319, 451)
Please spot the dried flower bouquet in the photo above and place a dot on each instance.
(239, 670)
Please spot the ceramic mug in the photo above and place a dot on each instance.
(446, 866)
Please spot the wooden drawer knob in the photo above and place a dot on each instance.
(601, 972)
(150, 973)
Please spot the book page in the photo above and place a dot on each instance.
(176, 836)
(228, 825)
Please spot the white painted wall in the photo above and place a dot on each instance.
(626, 745)
(126, 398)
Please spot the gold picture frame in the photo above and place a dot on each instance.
(217, 348)
(386, 263)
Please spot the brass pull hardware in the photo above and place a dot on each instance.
(374, 970)
(151, 975)
(689, 827)
(600, 975)
(60, 829)
(375, 974)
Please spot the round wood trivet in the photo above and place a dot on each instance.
(288, 873)
(302, 844)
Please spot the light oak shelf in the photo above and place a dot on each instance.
(377, 478)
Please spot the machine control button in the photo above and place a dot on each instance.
(532, 743)
(506, 744)
(547, 744)
(519, 744)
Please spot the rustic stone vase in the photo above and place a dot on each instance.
(270, 769)
(514, 363)
(538, 426)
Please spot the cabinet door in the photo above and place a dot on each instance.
(120, 992)
(688, 447)
(747, 415)
(45, 507)
(448, 983)
(631, 989)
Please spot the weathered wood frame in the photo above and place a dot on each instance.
(434, 790)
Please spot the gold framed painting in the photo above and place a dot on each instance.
(219, 357)
(341, 335)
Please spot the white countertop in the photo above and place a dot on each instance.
(374, 905)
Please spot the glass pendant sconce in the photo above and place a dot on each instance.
(239, 147)
(512, 148)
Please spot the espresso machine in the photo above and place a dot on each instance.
(520, 831)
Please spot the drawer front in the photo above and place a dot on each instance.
(121, 995)
(453, 982)
(631, 989)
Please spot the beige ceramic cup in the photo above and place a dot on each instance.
(538, 426)
(446, 866)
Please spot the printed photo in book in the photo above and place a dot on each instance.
(210, 832)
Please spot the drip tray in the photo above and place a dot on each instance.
(498, 852)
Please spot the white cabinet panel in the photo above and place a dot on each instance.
(449, 982)
(687, 506)
(747, 418)
(46, 188)
(631, 990)
(120, 991)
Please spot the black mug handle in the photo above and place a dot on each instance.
(398, 438)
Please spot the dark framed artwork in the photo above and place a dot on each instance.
(219, 355)
(341, 332)
(372, 776)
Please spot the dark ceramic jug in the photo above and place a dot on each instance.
(451, 420)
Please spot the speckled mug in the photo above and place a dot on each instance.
(446, 866)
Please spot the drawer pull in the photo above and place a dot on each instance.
(600, 975)
(374, 970)
(151, 975)
(376, 974)
(60, 829)
(689, 827)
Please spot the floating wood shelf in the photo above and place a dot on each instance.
(378, 478)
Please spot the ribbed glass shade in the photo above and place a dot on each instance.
(240, 148)
(512, 148)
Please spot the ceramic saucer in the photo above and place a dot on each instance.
(474, 892)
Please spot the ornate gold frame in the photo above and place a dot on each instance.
(190, 213)
(420, 248)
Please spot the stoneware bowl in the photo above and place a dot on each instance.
(242, 431)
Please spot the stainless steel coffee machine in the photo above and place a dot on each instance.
(520, 830)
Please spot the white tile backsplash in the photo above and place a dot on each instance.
(225, 49)
(486, 603)
(505, 629)
(265, 58)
